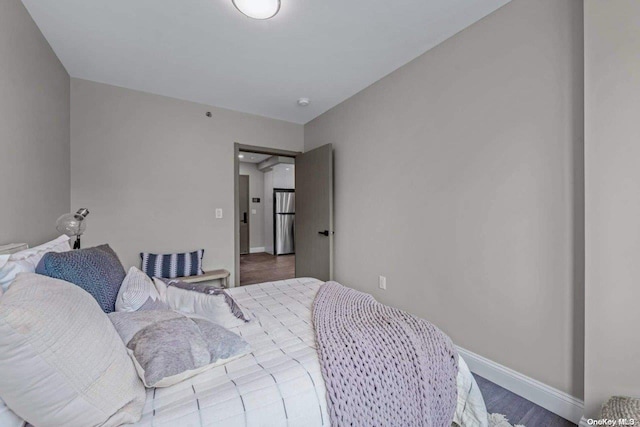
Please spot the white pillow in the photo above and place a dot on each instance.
(26, 261)
(138, 292)
(8, 418)
(211, 303)
(62, 362)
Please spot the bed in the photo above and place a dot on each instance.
(280, 382)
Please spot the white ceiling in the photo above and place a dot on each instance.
(206, 51)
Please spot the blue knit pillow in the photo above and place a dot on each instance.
(96, 270)
(170, 266)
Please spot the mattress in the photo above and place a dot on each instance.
(280, 382)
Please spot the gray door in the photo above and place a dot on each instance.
(243, 193)
(314, 213)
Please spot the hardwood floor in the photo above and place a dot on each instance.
(517, 409)
(263, 267)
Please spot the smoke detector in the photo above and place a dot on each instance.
(303, 102)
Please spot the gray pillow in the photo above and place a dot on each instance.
(168, 347)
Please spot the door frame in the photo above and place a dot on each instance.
(237, 148)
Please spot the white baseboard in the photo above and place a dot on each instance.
(553, 400)
(256, 250)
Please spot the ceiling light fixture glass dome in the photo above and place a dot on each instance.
(258, 9)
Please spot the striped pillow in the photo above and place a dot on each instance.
(170, 266)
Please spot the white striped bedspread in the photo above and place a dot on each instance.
(280, 383)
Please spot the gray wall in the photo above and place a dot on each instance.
(612, 151)
(34, 130)
(256, 189)
(152, 170)
(460, 178)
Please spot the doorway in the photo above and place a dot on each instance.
(265, 225)
(310, 229)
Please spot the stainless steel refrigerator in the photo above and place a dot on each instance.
(284, 207)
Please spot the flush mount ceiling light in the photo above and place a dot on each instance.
(258, 9)
(303, 102)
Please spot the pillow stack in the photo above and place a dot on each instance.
(63, 361)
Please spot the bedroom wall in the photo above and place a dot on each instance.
(459, 177)
(34, 131)
(152, 170)
(612, 150)
(256, 189)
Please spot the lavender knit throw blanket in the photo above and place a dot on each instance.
(382, 366)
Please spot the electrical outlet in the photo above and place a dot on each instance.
(218, 213)
(382, 281)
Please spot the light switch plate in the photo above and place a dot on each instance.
(382, 282)
(253, 211)
(218, 213)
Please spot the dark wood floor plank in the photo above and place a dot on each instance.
(264, 267)
(517, 409)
